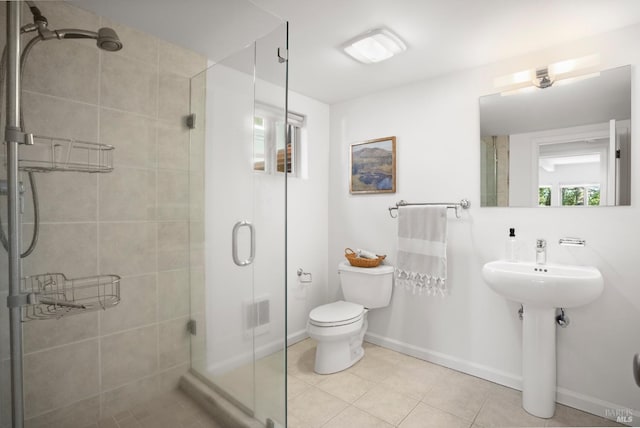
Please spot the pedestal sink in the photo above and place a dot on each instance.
(541, 289)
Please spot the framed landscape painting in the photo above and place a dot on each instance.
(373, 166)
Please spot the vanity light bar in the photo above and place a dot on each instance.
(570, 69)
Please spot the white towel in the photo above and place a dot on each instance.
(422, 249)
(366, 254)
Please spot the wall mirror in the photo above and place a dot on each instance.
(565, 145)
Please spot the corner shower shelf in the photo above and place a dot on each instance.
(55, 296)
(49, 154)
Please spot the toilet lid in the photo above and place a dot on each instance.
(337, 312)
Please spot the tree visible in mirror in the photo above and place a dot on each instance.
(544, 196)
(576, 195)
(572, 196)
(594, 195)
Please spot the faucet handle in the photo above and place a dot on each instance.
(541, 243)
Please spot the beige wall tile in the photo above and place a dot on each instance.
(174, 93)
(60, 376)
(173, 294)
(128, 194)
(66, 248)
(4, 326)
(197, 290)
(133, 136)
(136, 44)
(197, 135)
(63, 15)
(3, 19)
(137, 306)
(128, 356)
(173, 343)
(169, 380)
(44, 334)
(173, 147)
(4, 279)
(175, 59)
(128, 85)
(128, 396)
(76, 415)
(5, 393)
(107, 222)
(61, 118)
(173, 195)
(173, 245)
(128, 248)
(63, 197)
(67, 70)
(196, 202)
(197, 153)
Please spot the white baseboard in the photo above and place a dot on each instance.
(261, 352)
(564, 396)
(296, 337)
(229, 364)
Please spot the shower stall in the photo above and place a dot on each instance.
(144, 193)
(240, 158)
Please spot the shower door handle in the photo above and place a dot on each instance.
(234, 243)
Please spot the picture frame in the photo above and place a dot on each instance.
(373, 166)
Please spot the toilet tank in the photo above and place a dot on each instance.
(370, 287)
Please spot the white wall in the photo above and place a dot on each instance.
(307, 212)
(473, 329)
(260, 198)
(307, 222)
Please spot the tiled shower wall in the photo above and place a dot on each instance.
(132, 222)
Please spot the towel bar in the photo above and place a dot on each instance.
(464, 204)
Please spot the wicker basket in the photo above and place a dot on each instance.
(360, 261)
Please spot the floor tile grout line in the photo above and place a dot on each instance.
(407, 415)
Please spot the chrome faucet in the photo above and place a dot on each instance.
(541, 251)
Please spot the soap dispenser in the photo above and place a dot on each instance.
(512, 246)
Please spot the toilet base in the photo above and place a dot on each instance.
(337, 353)
(333, 357)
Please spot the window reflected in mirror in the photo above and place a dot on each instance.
(560, 146)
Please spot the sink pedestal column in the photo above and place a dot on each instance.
(539, 361)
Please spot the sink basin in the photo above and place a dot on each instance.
(541, 289)
(549, 285)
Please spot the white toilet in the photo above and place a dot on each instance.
(339, 327)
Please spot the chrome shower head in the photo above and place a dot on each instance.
(108, 40)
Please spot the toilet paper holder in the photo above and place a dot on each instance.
(304, 276)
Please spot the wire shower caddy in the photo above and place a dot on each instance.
(53, 295)
(48, 154)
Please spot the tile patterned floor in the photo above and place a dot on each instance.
(390, 389)
(172, 410)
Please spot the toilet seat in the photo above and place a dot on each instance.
(336, 314)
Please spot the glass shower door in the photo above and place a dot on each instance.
(237, 228)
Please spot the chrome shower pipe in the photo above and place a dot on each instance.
(15, 263)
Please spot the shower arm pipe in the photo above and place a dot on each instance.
(15, 263)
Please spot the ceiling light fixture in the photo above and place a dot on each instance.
(374, 46)
(544, 77)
